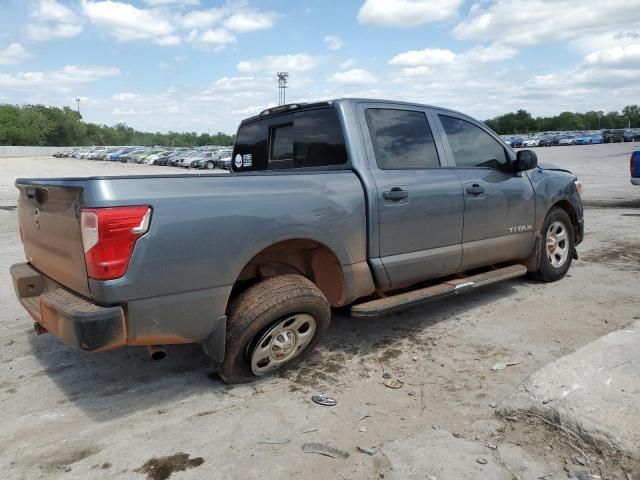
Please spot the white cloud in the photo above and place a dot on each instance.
(217, 38)
(161, 3)
(528, 22)
(416, 60)
(357, 76)
(249, 21)
(626, 57)
(334, 42)
(12, 53)
(53, 20)
(57, 80)
(126, 22)
(53, 11)
(202, 18)
(406, 13)
(300, 62)
(428, 56)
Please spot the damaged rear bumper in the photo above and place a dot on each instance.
(72, 318)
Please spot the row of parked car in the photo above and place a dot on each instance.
(550, 139)
(207, 157)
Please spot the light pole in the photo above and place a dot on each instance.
(78, 104)
(599, 117)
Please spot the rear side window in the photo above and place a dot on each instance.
(311, 138)
(401, 139)
(472, 146)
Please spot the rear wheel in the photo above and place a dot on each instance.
(556, 252)
(273, 325)
(209, 165)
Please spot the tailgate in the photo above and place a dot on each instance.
(49, 217)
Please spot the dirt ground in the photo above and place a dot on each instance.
(68, 414)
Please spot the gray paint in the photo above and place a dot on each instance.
(205, 228)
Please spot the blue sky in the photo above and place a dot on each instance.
(203, 65)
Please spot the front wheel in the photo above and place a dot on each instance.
(273, 325)
(209, 165)
(557, 249)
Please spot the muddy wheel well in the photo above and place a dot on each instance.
(567, 207)
(309, 258)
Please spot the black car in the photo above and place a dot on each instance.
(613, 136)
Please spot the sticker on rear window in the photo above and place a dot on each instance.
(247, 160)
(238, 161)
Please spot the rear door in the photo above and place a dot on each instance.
(49, 217)
(499, 206)
(420, 204)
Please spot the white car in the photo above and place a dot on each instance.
(567, 141)
(530, 142)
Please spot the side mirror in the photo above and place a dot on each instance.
(525, 160)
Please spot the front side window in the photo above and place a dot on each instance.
(401, 139)
(473, 147)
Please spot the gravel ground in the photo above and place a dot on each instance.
(68, 414)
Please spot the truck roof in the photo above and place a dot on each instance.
(280, 109)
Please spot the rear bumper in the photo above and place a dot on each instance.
(635, 180)
(72, 318)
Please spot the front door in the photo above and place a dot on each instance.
(420, 202)
(499, 206)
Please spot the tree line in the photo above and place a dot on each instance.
(523, 122)
(56, 127)
(62, 127)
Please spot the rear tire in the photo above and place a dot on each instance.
(273, 325)
(557, 246)
(209, 165)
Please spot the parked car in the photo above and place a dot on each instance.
(630, 136)
(206, 160)
(634, 167)
(530, 142)
(250, 265)
(568, 140)
(583, 140)
(613, 136)
(596, 138)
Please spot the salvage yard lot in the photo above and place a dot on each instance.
(68, 414)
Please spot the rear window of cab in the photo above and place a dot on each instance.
(302, 139)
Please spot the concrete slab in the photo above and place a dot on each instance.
(594, 392)
(437, 454)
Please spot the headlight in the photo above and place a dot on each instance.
(578, 185)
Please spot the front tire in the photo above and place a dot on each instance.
(273, 325)
(557, 249)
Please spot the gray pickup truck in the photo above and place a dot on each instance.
(379, 205)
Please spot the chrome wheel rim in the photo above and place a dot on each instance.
(557, 244)
(284, 341)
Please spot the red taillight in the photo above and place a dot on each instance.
(109, 235)
(632, 165)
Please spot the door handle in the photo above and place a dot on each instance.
(474, 188)
(395, 194)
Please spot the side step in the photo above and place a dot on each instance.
(451, 287)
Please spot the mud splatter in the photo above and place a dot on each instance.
(8, 208)
(162, 468)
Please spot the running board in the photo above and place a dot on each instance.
(451, 287)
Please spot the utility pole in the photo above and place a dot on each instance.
(282, 86)
(78, 103)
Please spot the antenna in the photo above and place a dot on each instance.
(78, 102)
(282, 86)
